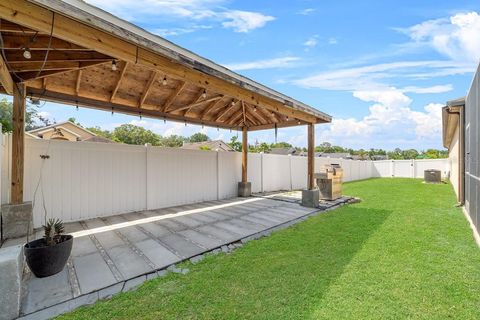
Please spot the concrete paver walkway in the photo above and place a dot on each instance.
(113, 254)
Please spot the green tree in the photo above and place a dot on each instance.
(205, 148)
(198, 137)
(102, 133)
(173, 141)
(234, 144)
(281, 145)
(131, 134)
(33, 119)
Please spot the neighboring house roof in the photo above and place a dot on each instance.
(283, 151)
(70, 127)
(213, 145)
(337, 155)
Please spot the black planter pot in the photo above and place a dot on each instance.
(46, 261)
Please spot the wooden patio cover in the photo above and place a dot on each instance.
(84, 56)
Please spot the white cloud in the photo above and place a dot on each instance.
(306, 12)
(311, 42)
(378, 76)
(432, 89)
(245, 21)
(390, 120)
(455, 37)
(45, 115)
(211, 11)
(332, 41)
(283, 62)
(179, 31)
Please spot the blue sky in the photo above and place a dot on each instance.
(382, 69)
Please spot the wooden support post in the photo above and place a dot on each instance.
(244, 153)
(310, 155)
(18, 140)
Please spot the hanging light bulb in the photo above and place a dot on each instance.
(26, 53)
(164, 120)
(112, 112)
(255, 109)
(185, 123)
(202, 126)
(233, 103)
(218, 129)
(287, 118)
(204, 94)
(298, 122)
(114, 65)
(164, 82)
(140, 114)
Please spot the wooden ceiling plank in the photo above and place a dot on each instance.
(48, 66)
(173, 96)
(38, 18)
(151, 81)
(5, 77)
(55, 56)
(235, 116)
(119, 81)
(32, 75)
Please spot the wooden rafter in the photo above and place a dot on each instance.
(256, 114)
(5, 77)
(173, 96)
(226, 110)
(119, 81)
(78, 82)
(198, 103)
(244, 113)
(212, 107)
(55, 56)
(30, 75)
(48, 66)
(235, 116)
(151, 81)
(40, 42)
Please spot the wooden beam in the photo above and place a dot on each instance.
(55, 56)
(256, 114)
(244, 154)
(173, 96)
(151, 81)
(198, 103)
(174, 65)
(8, 26)
(18, 141)
(41, 42)
(235, 117)
(5, 77)
(311, 156)
(48, 66)
(121, 108)
(78, 82)
(119, 81)
(227, 110)
(32, 75)
(211, 107)
(244, 114)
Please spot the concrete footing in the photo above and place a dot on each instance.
(244, 189)
(17, 220)
(310, 198)
(11, 268)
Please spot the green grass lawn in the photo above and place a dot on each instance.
(404, 252)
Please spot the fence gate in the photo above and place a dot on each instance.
(472, 151)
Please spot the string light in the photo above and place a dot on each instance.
(185, 123)
(140, 114)
(204, 94)
(218, 129)
(164, 82)
(26, 53)
(114, 65)
(233, 103)
(298, 122)
(164, 120)
(255, 109)
(112, 111)
(287, 118)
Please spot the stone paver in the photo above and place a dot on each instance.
(105, 262)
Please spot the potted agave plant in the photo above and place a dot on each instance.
(47, 256)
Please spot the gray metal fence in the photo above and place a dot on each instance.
(472, 151)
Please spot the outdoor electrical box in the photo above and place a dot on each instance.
(329, 182)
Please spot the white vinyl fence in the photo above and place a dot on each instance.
(83, 180)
